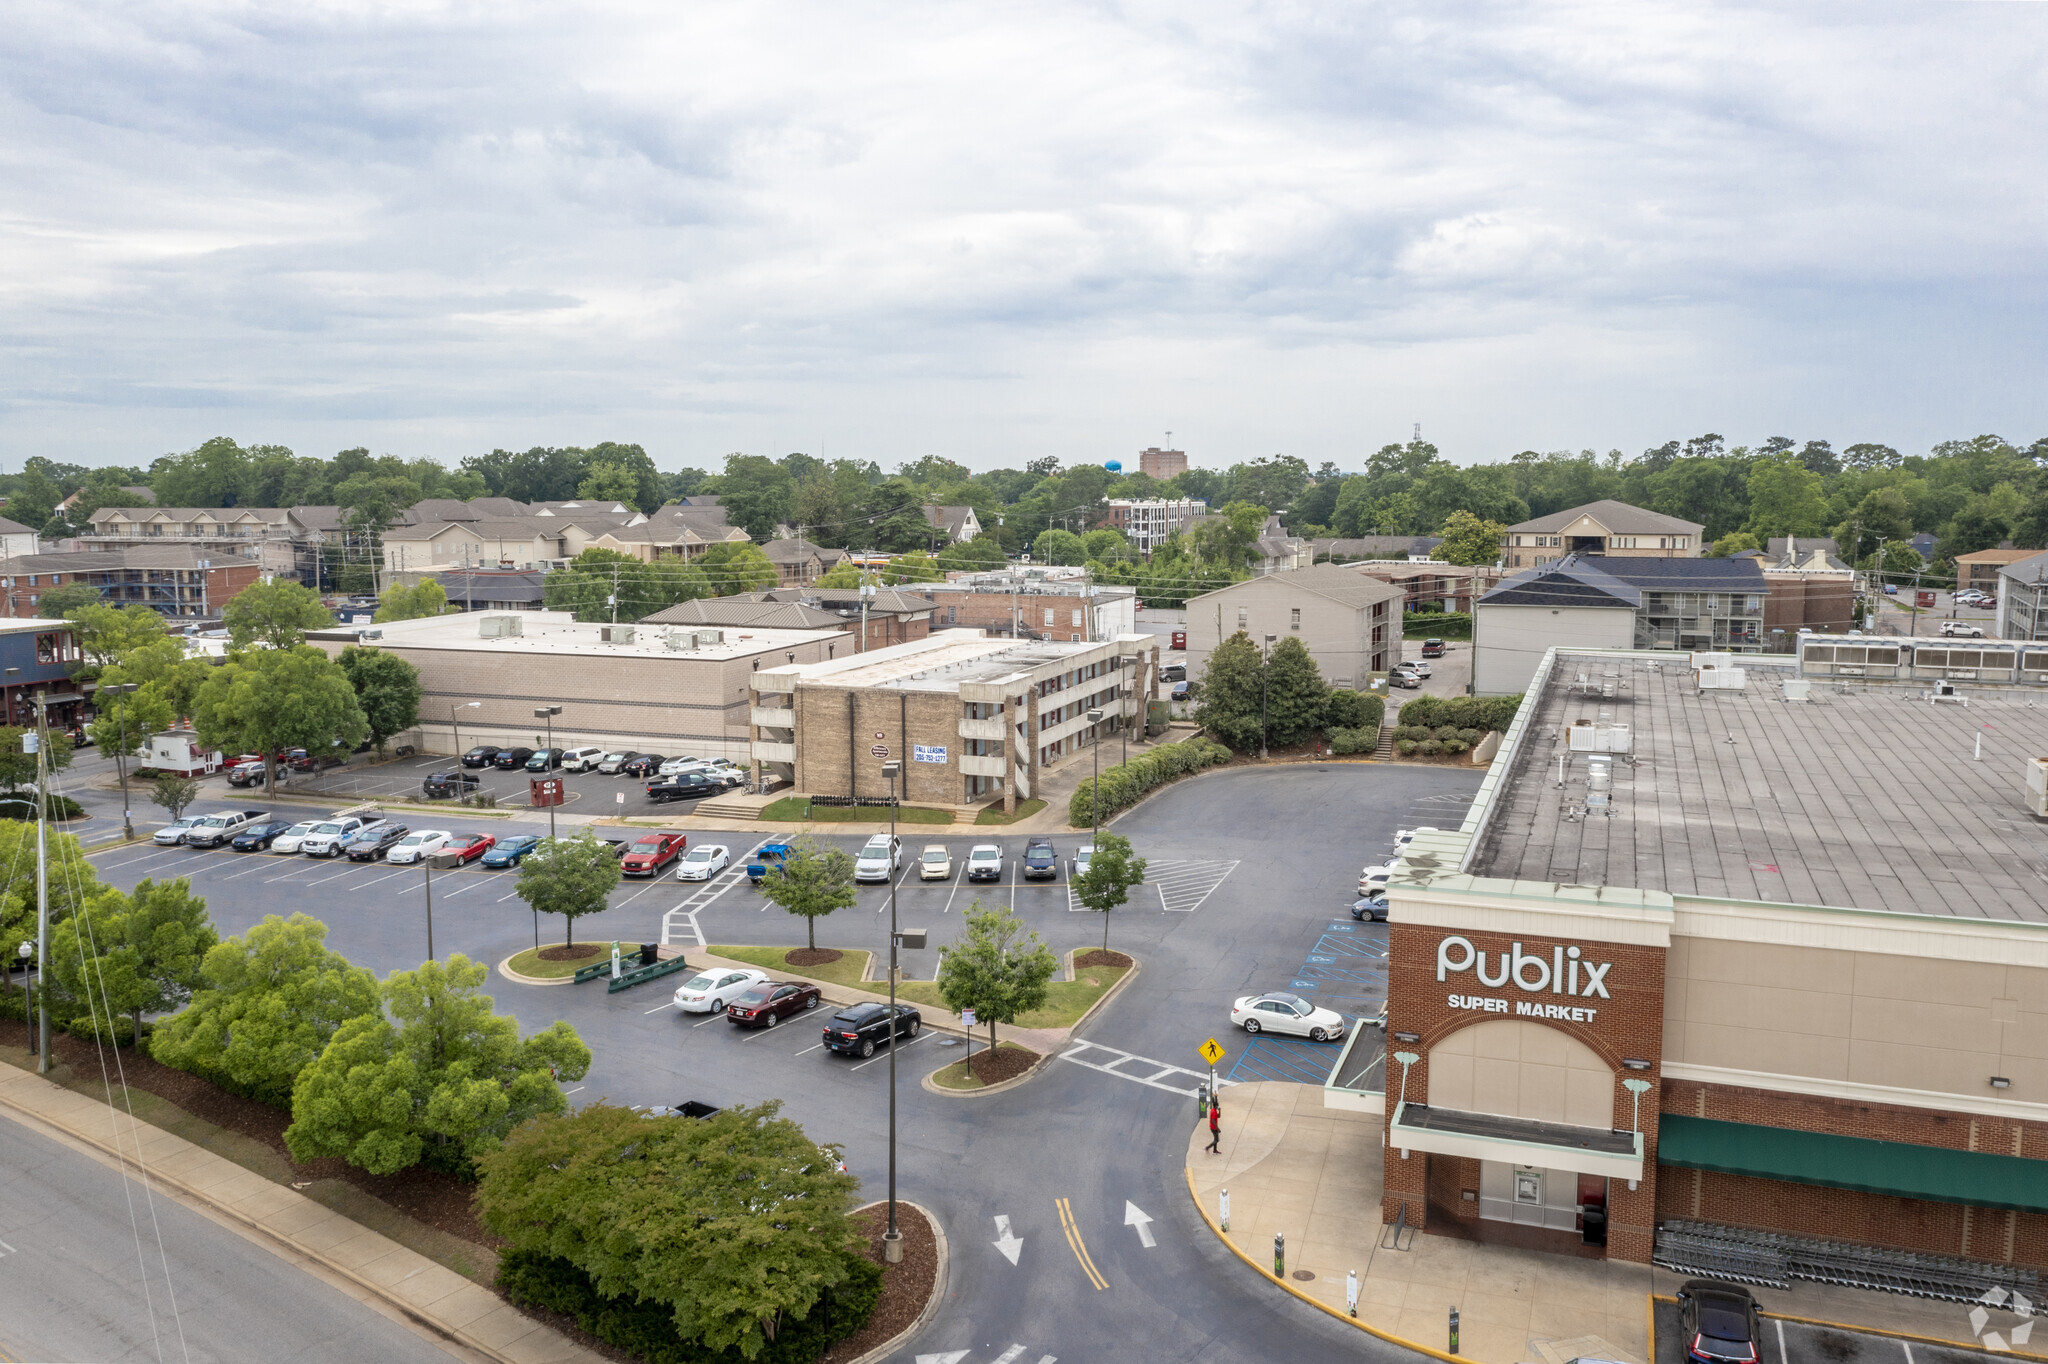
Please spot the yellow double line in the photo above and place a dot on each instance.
(1080, 1247)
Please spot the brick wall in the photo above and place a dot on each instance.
(902, 719)
(1824, 603)
(992, 611)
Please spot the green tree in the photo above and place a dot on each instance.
(216, 474)
(63, 603)
(33, 502)
(983, 552)
(890, 517)
(1229, 538)
(1228, 705)
(1883, 514)
(847, 575)
(132, 954)
(387, 688)
(73, 881)
(812, 881)
(568, 876)
(1106, 885)
(996, 968)
(1469, 540)
(1733, 543)
(108, 634)
(604, 585)
(174, 793)
(18, 765)
(442, 1078)
(269, 700)
(758, 494)
(1059, 547)
(277, 613)
(268, 1003)
(914, 567)
(738, 1223)
(425, 598)
(609, 483)
(736, 567)
(123, 721)
(369, 502)
(1296, 695)
(1785, 498)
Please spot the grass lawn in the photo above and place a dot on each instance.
(959, 1076)
(794, 808)
(528, 963)
(1065, 1000)
(848, 970)
(994, 814)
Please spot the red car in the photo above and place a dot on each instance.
(770, 1002)
(469, 847)
(649, 853)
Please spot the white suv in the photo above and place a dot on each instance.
(1962, 627)
(581, 759)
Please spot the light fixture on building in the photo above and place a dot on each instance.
(1409, 1037)
(2000, 1082)
(1627, 1064)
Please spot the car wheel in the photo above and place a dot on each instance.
(915, 1024)
(1251, 1025)
(867, 1047)
(811, 1003)
(1318, 1035)
(773, 1019)
(718, 1006)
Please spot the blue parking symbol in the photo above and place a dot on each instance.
(1301, 984)
(1321, 961)
(1342, 928)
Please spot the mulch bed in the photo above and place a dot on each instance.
(813, 956)
(906, 1287)
(439, 1200)
(1004, 1063)
(1098, 957)
(576, 953)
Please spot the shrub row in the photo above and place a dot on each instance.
(1127, 783)
(22, 806)
(1462, 712)
(1344, 741)
(1441, 732)
(1436, 625)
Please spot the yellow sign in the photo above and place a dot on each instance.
(1212, 1052)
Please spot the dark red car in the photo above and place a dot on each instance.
(649, 853)
(469, 847)
(770, 1002)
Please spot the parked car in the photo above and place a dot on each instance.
(210, 831)
(544, 760)
(299, 760)
(1041, 863)
(935, 863)
(1083, 855)
(1373, 880)
(612, 763)
(770, 1002)
(1719, 1322)
(708, 992)
(650, 852)
(1891, 589)
(1370, 907)
(511, 759)
(1432, 648)
(1963, 628)
(688, 786)
(510, 851)
(483, 755)
(290, 839)
(985, 862)
(581, 759)
(1407, 680)
(470, 847)
(675, 766)
(641, 765)
(858, 1029)
(703, 862)
(251, 774)
(1290, 1014)
(1173, 672)
(418, 845)
(1406, 836)
(879, 860)
(1180, 690)
(372, 841)
(257, 837)
(1416, 666)
(453, 782)
(328, 835)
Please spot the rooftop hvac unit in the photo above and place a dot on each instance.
(675, 641)
(1598, 738)
(1798, 688)
(1713, 660)
(2037, 787)
(1722, 679)
(616, 634)
(1599, 780)
(500, 627)
(709, 637)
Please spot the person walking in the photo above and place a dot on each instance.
(1215, 1127)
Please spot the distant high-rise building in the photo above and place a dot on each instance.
(1162, 464)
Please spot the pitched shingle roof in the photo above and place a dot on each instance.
(1620, 518)
(1337, 584)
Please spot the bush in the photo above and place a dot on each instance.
(1411, 732)
(1405, 747)
(1436, 625)
(1481, 713)
(22, 806)
(1429, 748)
(1455, 745)
(647, 1330)
(1353, 710)
(1344, 741)
(1126, 784)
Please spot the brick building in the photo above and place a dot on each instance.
(183, 582)
(1678, 979)
(1032, 607)
(1161, 464)
(1980, 570)
(971, 717)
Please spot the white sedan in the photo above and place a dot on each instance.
(289, 840)
(708, 992)
(1406, 836)
(417, 846)
(703, 862)
(677, 766)
(1287, 1014)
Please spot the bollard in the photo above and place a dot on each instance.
(1454, 1330)
(1279, 1256)
(1351, 1292)
(1225, 1200)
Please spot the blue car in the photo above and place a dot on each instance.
(509, 850)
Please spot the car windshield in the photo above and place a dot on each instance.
(702, 982)
(326, 828)
(300, 829)
(984, 854)
(411, 839)
(646, 844)
(758, 995)
(614, 757)
(479, 752)
(698, 855)
(934, 854)
(1038, 852)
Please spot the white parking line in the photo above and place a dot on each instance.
(906, 1042)
(658, 1008)
(474, 882)
(820, 1046)
(718, 1017)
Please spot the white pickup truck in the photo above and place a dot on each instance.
(213, 830)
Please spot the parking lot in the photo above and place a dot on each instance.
(1807, 1342)
(586, 793)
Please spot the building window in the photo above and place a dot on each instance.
(1243, 617)
(1074, 639)
(1294, 618)
(952, 615)
(1048, 615)
(1077, 618)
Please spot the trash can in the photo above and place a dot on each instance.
(1593, 1225)
(649, 953)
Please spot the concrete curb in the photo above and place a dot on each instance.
(932, 1086)
(1320, 1306)
(505, 970)
(931, 1306)
(1107, 995)
(1047, 1057)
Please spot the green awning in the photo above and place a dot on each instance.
(1978, 1178)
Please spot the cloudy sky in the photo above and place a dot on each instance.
(998, 232)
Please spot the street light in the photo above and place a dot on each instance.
(1266, 659)
(121, 754)
(548, 713)
(892, 1239)
(1095, 792)
(457, 724)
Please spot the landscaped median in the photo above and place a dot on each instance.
(798, 809)
(826, 965)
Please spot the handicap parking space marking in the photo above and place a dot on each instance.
(1110, 1061)
(1287, 1059)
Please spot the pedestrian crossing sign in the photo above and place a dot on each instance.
(1212, 1052)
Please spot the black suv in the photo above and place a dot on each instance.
(1719, 1322)
(511, 759)
(483, 755)
(855, 1031)
(441, 785)
(1040, 861)
(374, 841)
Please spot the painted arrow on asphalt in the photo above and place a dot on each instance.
(950, 1357)
(1007, 1241)
(1134, 1216)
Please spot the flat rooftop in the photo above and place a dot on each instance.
(559, 632)
(1862, 796)
(945, 660)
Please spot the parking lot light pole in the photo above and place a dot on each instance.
(121, 754)
(892, 1239)
(1095, 792)
(457, 724)
(1265, 659)
(548, 713)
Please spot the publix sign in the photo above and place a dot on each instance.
(1560, 971)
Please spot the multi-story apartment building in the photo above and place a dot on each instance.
(178, 580)
(1606, 527)
(270, 536)
(2023, 598)
(1349, 623)
(1161, 464)
(1148, 521)
(1982, 569)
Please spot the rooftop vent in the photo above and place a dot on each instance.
(706, 638)
(1599, 781)
(1590, 738)
(1798, 688)
(500, 627)
(1713, 660)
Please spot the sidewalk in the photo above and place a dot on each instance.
(1313, 1174)
(447, 1305)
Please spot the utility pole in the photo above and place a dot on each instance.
(42, 737)
(892, 1239)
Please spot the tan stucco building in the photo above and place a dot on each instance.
(1603, 527)
(1350, 624)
